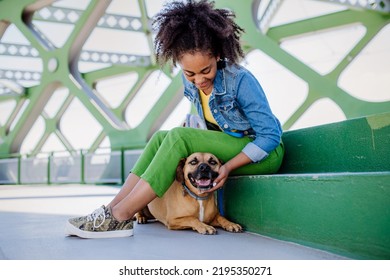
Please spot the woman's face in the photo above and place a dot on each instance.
(200, 69)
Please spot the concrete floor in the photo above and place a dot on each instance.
(32, 228)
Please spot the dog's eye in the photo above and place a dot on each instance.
(212, 162)
(193, 162)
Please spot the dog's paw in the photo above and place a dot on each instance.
(232, 227)
(206, 229)
(140, 218)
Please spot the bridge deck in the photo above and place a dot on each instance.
(32, 228)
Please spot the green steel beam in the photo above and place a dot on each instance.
(60, 70)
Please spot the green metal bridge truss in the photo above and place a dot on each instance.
(59, 66)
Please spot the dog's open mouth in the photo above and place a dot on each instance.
(203, 183)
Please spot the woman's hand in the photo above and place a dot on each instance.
(239, 160)
(221, 179)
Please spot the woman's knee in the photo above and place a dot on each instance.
(179, 133)
(159, 136)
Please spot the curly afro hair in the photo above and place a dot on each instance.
(196, 26)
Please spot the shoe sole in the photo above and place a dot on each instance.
(72, 230)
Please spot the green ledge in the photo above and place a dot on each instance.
(332, 193)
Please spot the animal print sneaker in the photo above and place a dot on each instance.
(100, 224)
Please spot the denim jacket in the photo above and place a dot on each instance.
(240, 108)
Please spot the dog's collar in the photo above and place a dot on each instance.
(193, 195)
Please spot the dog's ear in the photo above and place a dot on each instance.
(180, 170)
(220, 161)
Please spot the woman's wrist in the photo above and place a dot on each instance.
(239, 160)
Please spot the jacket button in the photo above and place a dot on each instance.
(215, 110)
(225, 125)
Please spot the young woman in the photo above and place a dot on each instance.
(242, 130)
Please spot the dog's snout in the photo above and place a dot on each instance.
(204, 167)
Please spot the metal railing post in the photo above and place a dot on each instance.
(19, 179)
(123, 165)
(49, 158)
(82, 165)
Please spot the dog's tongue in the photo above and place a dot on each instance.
(203, 182)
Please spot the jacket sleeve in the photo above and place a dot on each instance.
(254, 104)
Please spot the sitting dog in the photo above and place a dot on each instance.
(185, 205)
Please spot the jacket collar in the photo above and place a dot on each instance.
(220, 82)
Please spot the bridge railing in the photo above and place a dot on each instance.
(100, 167)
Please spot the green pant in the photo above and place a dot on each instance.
(158, 162)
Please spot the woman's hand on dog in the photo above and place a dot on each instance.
(223, 174)
(239, 160)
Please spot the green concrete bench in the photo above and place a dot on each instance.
(332, 191)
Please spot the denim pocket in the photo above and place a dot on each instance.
(230, 111)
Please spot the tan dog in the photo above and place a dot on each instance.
(184, 205)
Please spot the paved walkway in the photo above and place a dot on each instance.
(32, 228)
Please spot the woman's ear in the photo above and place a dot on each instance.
(221, 63)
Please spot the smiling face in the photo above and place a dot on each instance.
(200, 69)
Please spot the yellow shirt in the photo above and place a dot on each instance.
(206, 108)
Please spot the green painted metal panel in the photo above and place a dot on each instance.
(348, 214)
(333, 191)
(357, 145)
